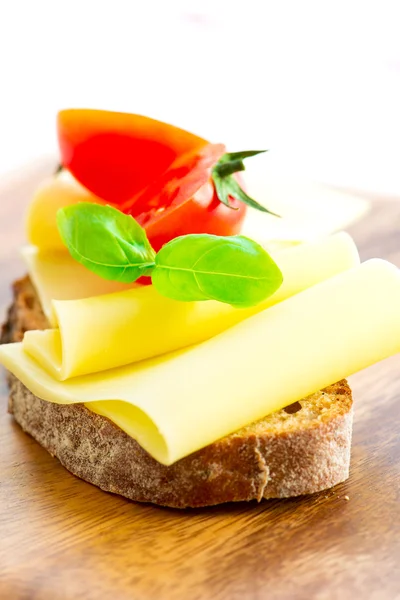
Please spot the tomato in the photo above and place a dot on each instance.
(203, 213)
(187, 202)
(116, 155)
(156, 172)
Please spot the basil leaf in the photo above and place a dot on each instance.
(235, 270)
(106, 241)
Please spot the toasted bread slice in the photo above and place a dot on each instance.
(302, 449)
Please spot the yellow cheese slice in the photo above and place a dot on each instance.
(104, 332)
(53, 194)
(57, 276)
(176, 404)
(310, 210)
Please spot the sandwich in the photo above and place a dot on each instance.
(161, 355)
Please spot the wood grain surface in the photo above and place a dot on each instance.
(61, 538)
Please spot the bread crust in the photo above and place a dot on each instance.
(290, 453)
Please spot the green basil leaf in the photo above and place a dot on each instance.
(106, 241)
(235, 270)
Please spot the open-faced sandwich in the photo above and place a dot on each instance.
(160, 355)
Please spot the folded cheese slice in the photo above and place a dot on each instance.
(310, 210)
(175, 404)
(54, 193)
(57, 276)
(104, 332)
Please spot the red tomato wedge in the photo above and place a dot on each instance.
(115, 155)
(184, 178)
(203, 213)
(156, 172)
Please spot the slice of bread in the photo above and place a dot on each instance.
(302, 449)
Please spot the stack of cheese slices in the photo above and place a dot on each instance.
(197, 403)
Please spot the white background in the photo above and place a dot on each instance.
(318, 83)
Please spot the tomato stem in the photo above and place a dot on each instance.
(227, 187)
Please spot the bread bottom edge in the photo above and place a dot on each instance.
(233, 469)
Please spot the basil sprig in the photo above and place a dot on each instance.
(227, 186)
(235, 270)
(106, 241)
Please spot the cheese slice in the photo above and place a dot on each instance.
(54, 273)
(177, 403)
(310, 210)
(104, 332)
(55, 192)
(57, 276)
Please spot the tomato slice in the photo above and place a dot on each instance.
(203, 213)
(185, 176)
(184, 201)
(116, 155)
(156, 172)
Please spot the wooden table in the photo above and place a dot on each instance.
(61, 538)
